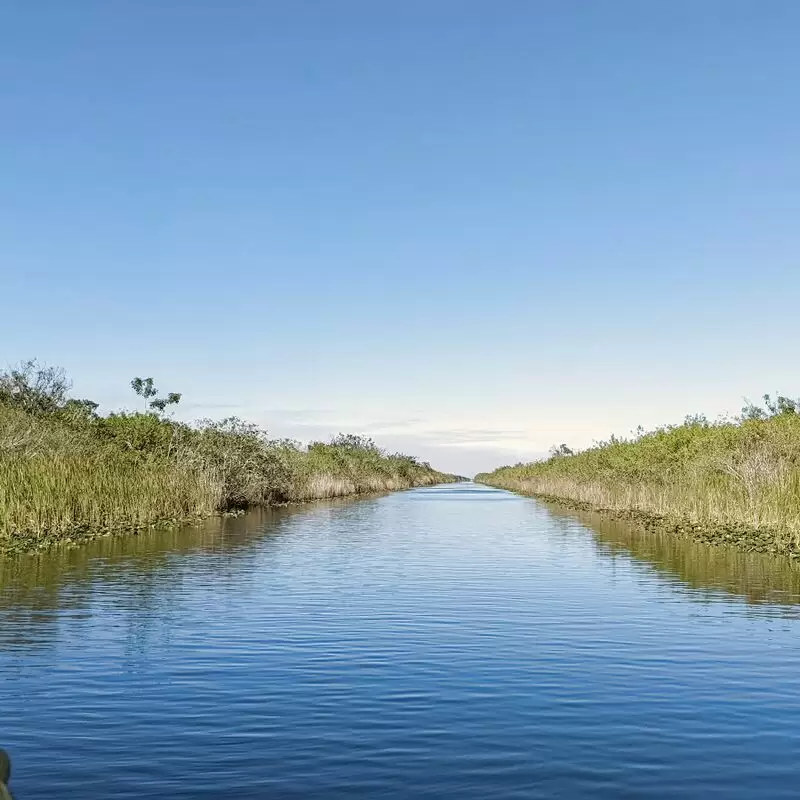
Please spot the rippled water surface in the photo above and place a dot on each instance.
(444, 642)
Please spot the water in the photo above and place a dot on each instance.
(445, 642)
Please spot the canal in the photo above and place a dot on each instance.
(454, 641)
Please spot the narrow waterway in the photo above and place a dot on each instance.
(455, 641)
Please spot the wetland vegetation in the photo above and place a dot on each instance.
(733, 481)
(68, 472)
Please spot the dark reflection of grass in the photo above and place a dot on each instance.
(755, 577)
(36, 588)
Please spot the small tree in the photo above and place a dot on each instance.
(559, 450)
(146, 390)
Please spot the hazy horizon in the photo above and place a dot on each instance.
(470, 231)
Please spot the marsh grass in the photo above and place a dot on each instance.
(736, 481)
(67, 473)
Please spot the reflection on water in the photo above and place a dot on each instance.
(40, 589)
(43, 589)
(755, 577)
(454, 641)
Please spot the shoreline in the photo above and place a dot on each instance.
(26, 543)
(732, 482)
(71, 474)
(769, 540)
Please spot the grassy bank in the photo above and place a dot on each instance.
(67, 472)
(734, 482)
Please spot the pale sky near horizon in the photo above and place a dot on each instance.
(468, 229)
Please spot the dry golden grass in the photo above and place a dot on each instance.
(322, 485)
(59, 493)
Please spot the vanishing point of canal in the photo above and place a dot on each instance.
(456, 641)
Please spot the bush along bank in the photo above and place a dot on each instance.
(728, 482)
(68, 473)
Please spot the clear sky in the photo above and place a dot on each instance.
(468, 229)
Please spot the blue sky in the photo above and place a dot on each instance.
(470, 229)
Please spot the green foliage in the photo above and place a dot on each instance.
(146, 390)
(34, 388)
(143, 434)
(64, 468)
(359, 462)
(252, 470)
(776, 407)
(354, 443)
(161, 403)
(744, 472)
(78, 411)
